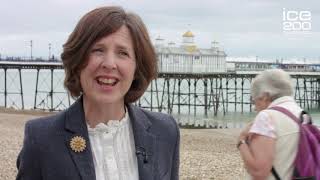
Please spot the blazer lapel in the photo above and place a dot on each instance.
(145, 143)
(76, 125)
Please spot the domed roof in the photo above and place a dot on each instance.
(188, 34)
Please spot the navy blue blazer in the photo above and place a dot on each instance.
(46, 152)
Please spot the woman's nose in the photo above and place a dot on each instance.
(109, 62)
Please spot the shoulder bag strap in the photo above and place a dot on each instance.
(275, 174)
(286, 112)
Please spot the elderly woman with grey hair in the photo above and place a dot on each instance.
(271, 140)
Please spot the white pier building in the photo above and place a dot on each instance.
(188, 58)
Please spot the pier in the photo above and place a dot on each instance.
(196, 93)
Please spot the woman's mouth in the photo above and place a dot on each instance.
(107, 81)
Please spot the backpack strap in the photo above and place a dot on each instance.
(275, 174)
(293, 117)
(287, 112)
(304, 138)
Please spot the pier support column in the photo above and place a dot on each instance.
(235, 94)
(195, 97)
(222, 96)
(189, 94)
(297, 92)
(227, 93)
(179, 94)
(250, 97)
(51, 90)
(205, 82)
(21, 90)
(36, 91)
(242, 82)
(216, 97)
(157, 95)
(318, 92)
(305, 94)
(168, 95)
(5, 88)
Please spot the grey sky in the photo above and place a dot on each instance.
(242, 27)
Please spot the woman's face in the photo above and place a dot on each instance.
(261, 102)
(110, 70)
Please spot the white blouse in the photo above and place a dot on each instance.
(113, 150)
(264, 125)
(285, 132)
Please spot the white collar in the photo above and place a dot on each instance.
(281, 100)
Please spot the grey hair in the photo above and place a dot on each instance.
(274, 82)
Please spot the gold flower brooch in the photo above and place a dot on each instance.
(78, 144)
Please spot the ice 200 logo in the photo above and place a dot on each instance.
(296, 21)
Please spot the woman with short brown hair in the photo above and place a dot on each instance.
(97, 24)
(109, 62)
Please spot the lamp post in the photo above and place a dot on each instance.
(31, 49)
(49, 51)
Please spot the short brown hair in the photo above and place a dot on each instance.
(97, 24)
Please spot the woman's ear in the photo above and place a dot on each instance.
(267, 99)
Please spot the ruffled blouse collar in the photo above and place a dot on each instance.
(110, 126)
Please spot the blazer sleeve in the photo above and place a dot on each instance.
(176, 155)
(28, 158)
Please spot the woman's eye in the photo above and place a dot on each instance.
(123, 53)
(97, 50)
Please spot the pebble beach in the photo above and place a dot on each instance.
(204, 153)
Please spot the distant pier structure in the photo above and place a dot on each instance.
(191, 81)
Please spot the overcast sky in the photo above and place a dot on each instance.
(242, 27)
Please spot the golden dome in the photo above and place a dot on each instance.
(188, 34)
